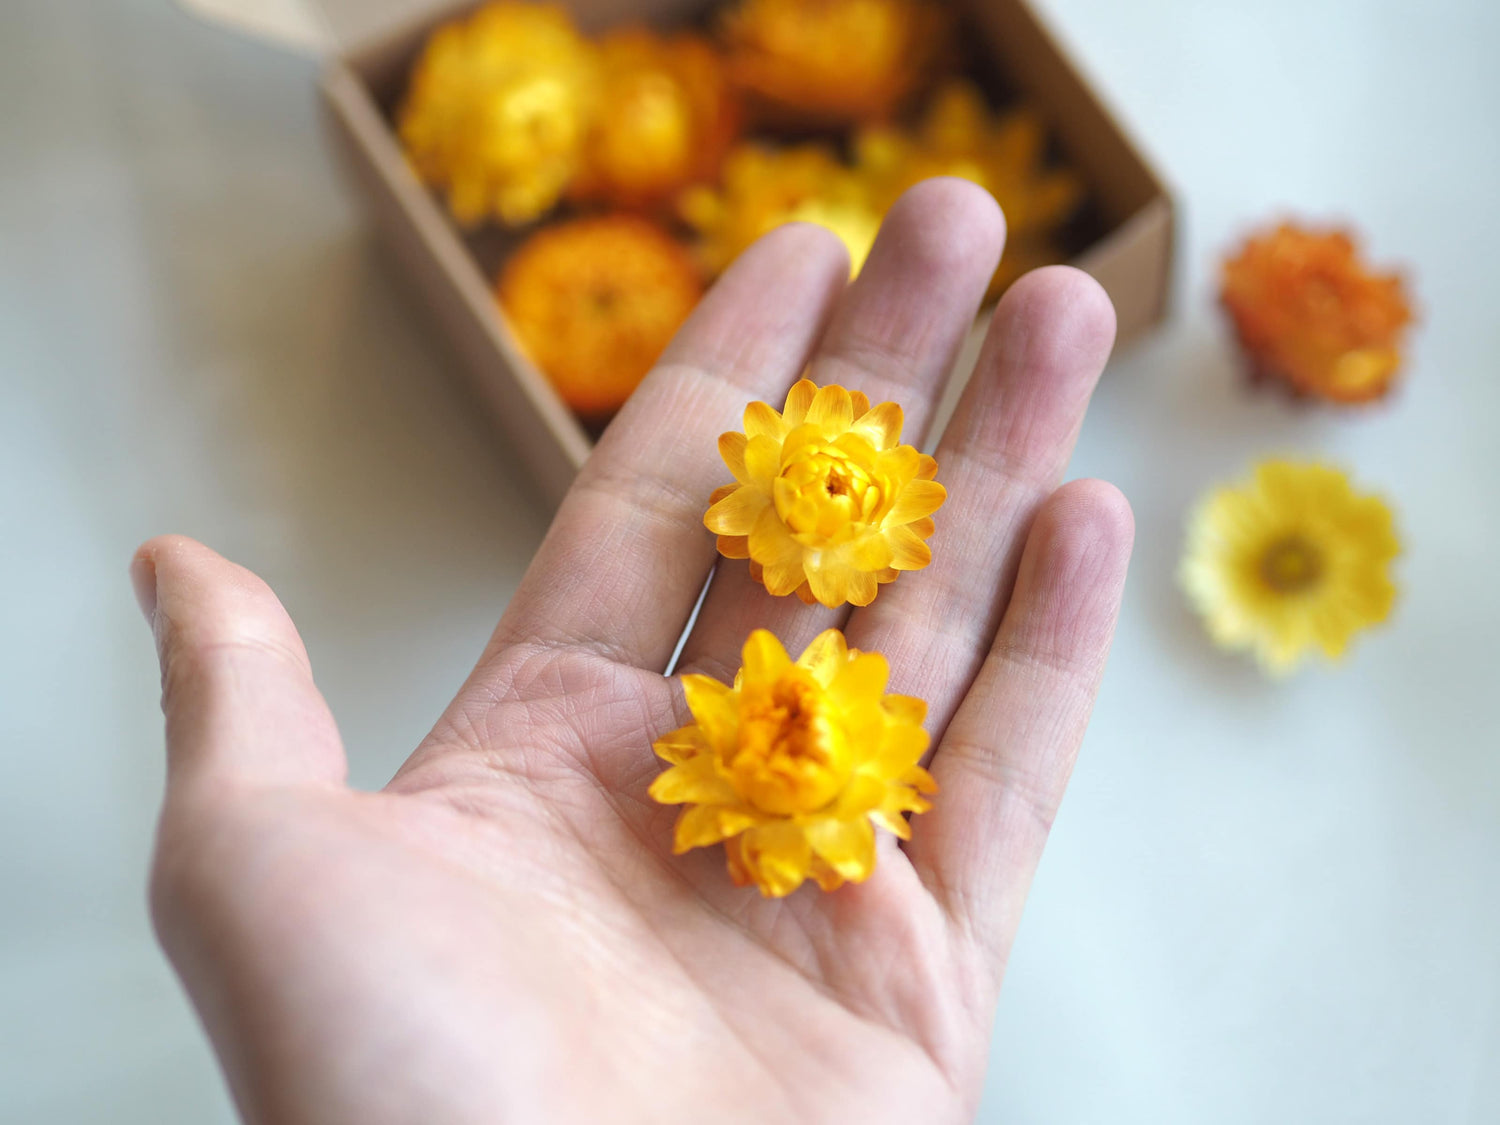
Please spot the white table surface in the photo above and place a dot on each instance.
(1261, 903)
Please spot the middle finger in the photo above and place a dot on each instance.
(894, 336)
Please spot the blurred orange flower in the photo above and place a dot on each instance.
(498, 109)
(666, 118)
(1006, 155)
(594, 302)
(828, 62)
(1308, 311)
(795, 764)
(765, 187)
(826, 502)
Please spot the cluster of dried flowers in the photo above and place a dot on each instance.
(677, 150)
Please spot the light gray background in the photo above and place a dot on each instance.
(1262, 902)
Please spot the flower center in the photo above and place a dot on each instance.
(793, 753)
(1291, 565)
(822, 495)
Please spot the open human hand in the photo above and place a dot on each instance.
(503, 933)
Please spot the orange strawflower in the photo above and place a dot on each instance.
(830, 62)
(827, 503)
(594, 302)
(765, 187)
(666, 118)
(1006, 155)
(795, 764)
(1310, 312)
(497, 111)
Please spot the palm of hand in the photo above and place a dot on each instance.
(503, 933)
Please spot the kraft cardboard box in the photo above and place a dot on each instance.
(369, 46)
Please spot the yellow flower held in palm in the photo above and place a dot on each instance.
(826, 503)
(795, 764)
(1296, 560)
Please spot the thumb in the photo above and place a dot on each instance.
(237, 689)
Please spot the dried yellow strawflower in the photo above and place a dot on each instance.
(1293, 561)
(666, 118)
(826, 503)
(1308, 311)
(764, 187)
(825, 62)
(498, 109)
(595, 301)
(1005, 155)
(795, 764)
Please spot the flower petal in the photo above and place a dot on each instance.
(907, 551)
(763, 658)
(861, 681)
(776, 856)
(873, 552)
(893, 822)
(732, 449)
(734, 546)
(777, 553)
(781, 579)
(880, 426)
(760, 418)
(715, 707)
(697, 781)
(863, 793)
(763, 458)
(700, 826)
(830, 584)
(826, 877)
(681, 744)
(848, 846)
(862, 587)
(919, 498)
(832, 411)
(900, 750)
(860, 401)
(736, 513)
(798, 399)
(905, 709)
(827, 653)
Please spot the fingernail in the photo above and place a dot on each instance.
(143, 578)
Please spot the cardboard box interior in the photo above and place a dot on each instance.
(1123, 237)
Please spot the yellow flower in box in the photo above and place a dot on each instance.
(1308, 311)
(595, 301)
(826, 503)
(498, 109)
(795, 764)
(829, 62)
(666, 118)
(764, 187)
(1006, 155)
(1293, 561)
